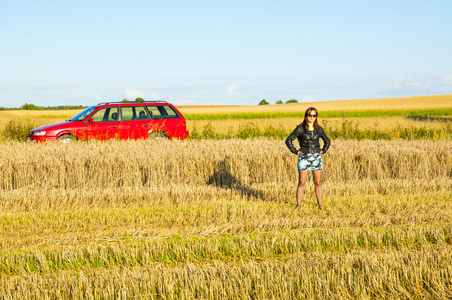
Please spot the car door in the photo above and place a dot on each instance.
(135, 122)
(103, 124)
(158, 122)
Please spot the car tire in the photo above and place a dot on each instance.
(158, 135)
(66, 138)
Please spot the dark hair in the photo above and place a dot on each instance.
(305, 121)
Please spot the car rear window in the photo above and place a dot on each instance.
(132, 113)
(162, 112)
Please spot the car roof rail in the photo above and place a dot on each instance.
(132, 102)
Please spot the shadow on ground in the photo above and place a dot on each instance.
(419, 118)
(223, 178)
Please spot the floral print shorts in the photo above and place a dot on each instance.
(310, 162)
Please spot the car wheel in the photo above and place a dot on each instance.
(66, 138)
(158, 135)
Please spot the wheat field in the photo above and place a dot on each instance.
(402, 103)
(214, 220)
(43, 117)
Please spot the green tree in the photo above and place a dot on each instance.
(263, 102)
(125, 100)
(292, 101)
(139, 99)
(27, 106)
(279, 102)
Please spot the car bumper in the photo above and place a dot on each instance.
(41, 139)
(184, 135)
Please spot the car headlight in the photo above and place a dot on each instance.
(39, 133)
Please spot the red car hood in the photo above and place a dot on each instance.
(54, 126)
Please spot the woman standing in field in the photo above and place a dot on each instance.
(308, 134)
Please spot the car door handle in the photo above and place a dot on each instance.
(147, 124)
(114, 126)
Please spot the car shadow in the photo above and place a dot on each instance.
(223, 178)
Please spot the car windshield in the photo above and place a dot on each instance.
(83, 114)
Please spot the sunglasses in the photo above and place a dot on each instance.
(312, 116)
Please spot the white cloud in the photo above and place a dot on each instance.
(307, 99)
(402, 83)
(447, 78)
(198, 94)
(132, 94)
(153, 96)
(184, 101)
(188, 97)
(95, 97)
(409, 86)
(232, 90)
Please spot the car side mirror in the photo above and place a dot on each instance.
(91, 121)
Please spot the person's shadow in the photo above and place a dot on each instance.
(223, 178)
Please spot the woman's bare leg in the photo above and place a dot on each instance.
(318, 188)
(303, 174)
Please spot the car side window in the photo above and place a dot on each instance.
(162, 112)
(130, 113)
(155, 113)
(170, 112)
(108, 114)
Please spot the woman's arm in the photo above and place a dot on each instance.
(289, 140)
(326, 141)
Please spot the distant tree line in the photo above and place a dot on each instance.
(28, 106)
(265, 102)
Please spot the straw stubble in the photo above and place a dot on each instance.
(214, 219)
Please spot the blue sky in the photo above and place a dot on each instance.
(222, 52)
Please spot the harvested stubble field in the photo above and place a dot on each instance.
(214, 220)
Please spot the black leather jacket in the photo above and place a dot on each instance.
(309, 141)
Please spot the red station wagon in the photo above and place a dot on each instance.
(117, 120)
